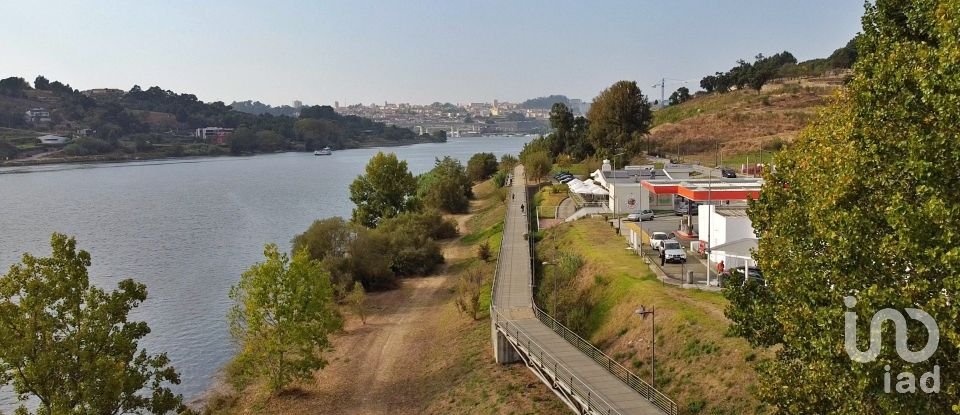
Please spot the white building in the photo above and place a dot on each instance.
(37, 116)
(627, 193)
(52, 140)
(727, 226)
(215, 135)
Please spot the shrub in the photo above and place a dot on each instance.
(481, 166)
(483, 251)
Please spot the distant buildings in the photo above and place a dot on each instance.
(297, 104)
(37, 116)
(213, 135)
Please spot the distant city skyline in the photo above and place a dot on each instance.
(415, 52)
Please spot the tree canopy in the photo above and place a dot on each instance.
(282, 315)
(481, 166)
(387, 189)
(446, 187)
(865, 203)
(619, 116)
(71, 345)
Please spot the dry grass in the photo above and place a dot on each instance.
(738, 121)
(697, 363)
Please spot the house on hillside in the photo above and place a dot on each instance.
(53, 140)
(213, 135)
(37, 115)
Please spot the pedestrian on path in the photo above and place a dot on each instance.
(663, 257)
(720, 267)
(513, 196)
(521, 208)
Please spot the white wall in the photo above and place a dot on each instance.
(723, 229)
(623, 192)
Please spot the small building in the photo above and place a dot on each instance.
(213, 135)
(629, 194)
(37, 116)
(53, 140)
(729, 234)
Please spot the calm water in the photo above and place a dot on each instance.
(188, 228)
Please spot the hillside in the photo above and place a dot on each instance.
(112, 124)
(739, 121)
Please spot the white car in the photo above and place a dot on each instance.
(657, 238)
(672, 251)
(640, 216)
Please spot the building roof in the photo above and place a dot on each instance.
(729, 212)
(741, 248)
(702, 190)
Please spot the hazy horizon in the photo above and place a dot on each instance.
(365, 52)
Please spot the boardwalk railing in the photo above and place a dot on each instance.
(655, 397)
(560, 375)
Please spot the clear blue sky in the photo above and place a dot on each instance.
(405, 51)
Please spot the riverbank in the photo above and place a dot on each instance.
(416, 353)
(126, 158)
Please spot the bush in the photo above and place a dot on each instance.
(88, 146)
(469, 287)
(429, 223)
(500, 179)
(483, 251)
(481, 166)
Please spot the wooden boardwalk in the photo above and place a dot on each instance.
(577, 372)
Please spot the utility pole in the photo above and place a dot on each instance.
(642, 312)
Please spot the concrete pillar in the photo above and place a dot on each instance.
(503, 351)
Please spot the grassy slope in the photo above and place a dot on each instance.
(698, 365)
(739, 121)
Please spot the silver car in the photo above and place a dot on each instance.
(642, 215)
(672, 251)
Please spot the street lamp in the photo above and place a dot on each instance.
(642, 312)
(615, 204)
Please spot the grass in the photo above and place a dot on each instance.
(706, 104)
(548, 198)
(696, 360)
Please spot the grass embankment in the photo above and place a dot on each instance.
(698, 364)
(738, 122)
(418, 354)
(548, 198)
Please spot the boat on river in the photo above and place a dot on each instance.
(326, 151)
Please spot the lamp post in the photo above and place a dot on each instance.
(642, 312)
(616, 205)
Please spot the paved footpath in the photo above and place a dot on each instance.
(513, 299)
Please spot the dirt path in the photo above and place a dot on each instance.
(380, 367)
(375, 367)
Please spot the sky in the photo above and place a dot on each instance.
(362, 51)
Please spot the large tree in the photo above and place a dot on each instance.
(71, 345)
(446, 187)
(866, 204)
(282, 314)
(617, 117)
(386, 190)
(481, 166)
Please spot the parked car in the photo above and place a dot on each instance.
(673, 252)
(683, 209)
(728, 173)
(753, 274)
(640, 216)
(657, 238)
(566, 180)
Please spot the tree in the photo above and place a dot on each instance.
(13, 87)
(269, 141)
(483, 251)
(537, 165)
(446, 187)
(680, 96)
(616, 114)
(864, 204)
(71, 346)
(41, 83)
(358, 301)
(469, 288)
(481, 166)
(508, 162)
(386, 190)
(243, 140)
(282, 314)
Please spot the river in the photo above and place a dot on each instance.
(188, 228)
